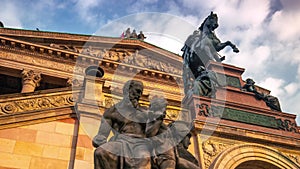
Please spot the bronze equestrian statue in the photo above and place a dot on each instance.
(201, 47)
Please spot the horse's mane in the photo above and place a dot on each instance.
(202, 24)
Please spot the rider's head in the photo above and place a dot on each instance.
(196, 32)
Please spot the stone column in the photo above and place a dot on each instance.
(93, 89)
(30, 80)
(93, 85)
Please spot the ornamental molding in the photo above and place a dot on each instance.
(232, 156)
(294, 157)
(36, 103)
(41, 63)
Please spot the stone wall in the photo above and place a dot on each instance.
(84, 158)
(43, 145)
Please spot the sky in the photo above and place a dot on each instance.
(267, 32)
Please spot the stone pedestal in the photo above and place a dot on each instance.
(93, 90)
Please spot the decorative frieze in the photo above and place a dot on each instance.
(136, 59)
(36, 104)
(150, 63)
(287, 125)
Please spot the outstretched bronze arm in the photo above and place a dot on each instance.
(104, 129)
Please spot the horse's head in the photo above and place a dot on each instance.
(210, 22)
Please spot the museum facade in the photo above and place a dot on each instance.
(55, 87)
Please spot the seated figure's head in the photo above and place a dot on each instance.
(158, 103)
(132, 91)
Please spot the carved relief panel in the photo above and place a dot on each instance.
(210, 148)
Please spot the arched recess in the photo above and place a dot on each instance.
(234, 156)
(256, 164)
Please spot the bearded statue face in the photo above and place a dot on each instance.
(135, 93)
(133, 90)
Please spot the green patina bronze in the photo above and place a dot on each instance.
(251, 118)
(233, 81)
(226, 80)
(238, 115)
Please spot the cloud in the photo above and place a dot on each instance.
(85, 10)
(290, 5)
(286, 25)
(273, 84)
(291, 105)
(31, 14)
(9, 15)
(169, 43)
(291, 88)
(141, 6)
(169, 33)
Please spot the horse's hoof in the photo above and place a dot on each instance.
(222, 58)
(236, 50)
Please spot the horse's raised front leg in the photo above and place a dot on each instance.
(221, 46)
(233, 46)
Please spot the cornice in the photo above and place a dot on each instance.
(10, 43)
(90, 39)
(71, 58)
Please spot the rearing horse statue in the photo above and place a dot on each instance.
(202, 46)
